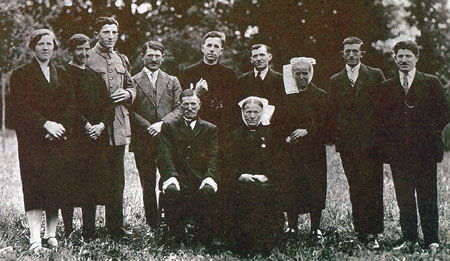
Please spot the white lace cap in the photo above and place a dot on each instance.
(267, 110)
(290, 86)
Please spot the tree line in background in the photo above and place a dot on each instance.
(312, 28)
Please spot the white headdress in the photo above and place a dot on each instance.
(267, 110)
(290, 86)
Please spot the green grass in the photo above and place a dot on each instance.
(339, 242)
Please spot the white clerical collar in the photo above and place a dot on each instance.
(190, 123)
(77, 65)
(353, 69)
(411, 74)
(263, 73)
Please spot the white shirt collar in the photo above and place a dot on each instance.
(192, 124)
(263, 72)
(152, 76)
(411, 75)
(354, 69)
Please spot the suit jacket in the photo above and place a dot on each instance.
(412, 124)
(270, 89)
(353, 109)
(152, 105)
(189, 155)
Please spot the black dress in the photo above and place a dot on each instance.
(43, 163)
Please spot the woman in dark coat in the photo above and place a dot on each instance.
(305, 133)
(95, 110)
(252, 180)
(43, 112)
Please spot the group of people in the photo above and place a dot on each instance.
(233, 153)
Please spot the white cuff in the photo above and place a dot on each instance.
(210, 182)
(169, 182)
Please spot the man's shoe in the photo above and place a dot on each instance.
(433, 247)
(406, 246)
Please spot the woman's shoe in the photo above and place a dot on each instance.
(50, 242)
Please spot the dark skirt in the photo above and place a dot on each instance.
(305, 185)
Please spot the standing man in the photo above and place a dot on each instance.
(188, 163)
(413, 119)
(157, 95)
(114, 70)
(214, 83)
(353, 115)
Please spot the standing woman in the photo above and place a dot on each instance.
(43, 113)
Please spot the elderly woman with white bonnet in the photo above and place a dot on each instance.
(305, 133)
(252, 179)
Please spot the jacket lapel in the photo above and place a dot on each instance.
(144, 83)
(161, 86)
(53, 76)
(362, 76)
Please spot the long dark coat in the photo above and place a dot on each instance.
(43, 163)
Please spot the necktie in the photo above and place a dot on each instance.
(258, 78)
(405, 82)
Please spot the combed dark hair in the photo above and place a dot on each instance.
(38, 34)
(155, 45)
(352, 40)
(187, 93)
(76, 40)
(101, 21)
(409, 45)
(257, 46)
(214, 34)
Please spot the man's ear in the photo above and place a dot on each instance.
(95, 35)
(363, 53)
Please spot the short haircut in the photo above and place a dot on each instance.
(214, 34)
(76, 40)
(155, 45)
(187, 93)
(101, 21)
(257, 46)
(38, 34)
(409, 45)
(353, 40)
(252, 101)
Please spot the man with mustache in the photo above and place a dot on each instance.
(188, 159)
(114, 68)
(353, 119)
(413, 117)
(157, 95)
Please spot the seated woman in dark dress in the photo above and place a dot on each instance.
(251, 179)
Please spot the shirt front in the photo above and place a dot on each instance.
(263, 73)
(152, 76)
(353, 72)
(411, 74)
(190, 124)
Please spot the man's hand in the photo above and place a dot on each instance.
(246, 178)
(260, 178)
(96, 130)
(297, 134)
(210, 182)
(120, 95)
(169, 182)
(87, 127)
(200, 87)
(55, 129)
(155, 128)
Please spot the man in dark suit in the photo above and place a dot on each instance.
(157, 95)
(413, 117)
(353, 114)
(188, 160)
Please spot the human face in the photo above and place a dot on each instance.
(301, 73)
(406, 60)
(352, 54)
(107, 37)
(43, 50)
(81, 54)
(153, 59)
(212, 49)
(252, 114)
(190, 106)
(260, 58)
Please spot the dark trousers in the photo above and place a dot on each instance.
(88, 212)
(417, 176)
(200, 205)
(116, 184)
(146, 165)
(364, 171)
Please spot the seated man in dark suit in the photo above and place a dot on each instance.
(188, 165)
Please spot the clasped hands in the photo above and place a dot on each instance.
(54, 130)
(296, 134)
(94, 131)
(253, 177)
(174, 181)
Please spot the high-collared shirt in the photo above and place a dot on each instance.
(152, 76)
(262, 74)
(410, 77)
(353, 72)
(190, 123)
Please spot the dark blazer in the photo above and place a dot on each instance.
(189, 155)
(353, 109)
(271, 88)
(150, 107)
(412, 124)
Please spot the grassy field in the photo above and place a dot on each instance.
(339, 241)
